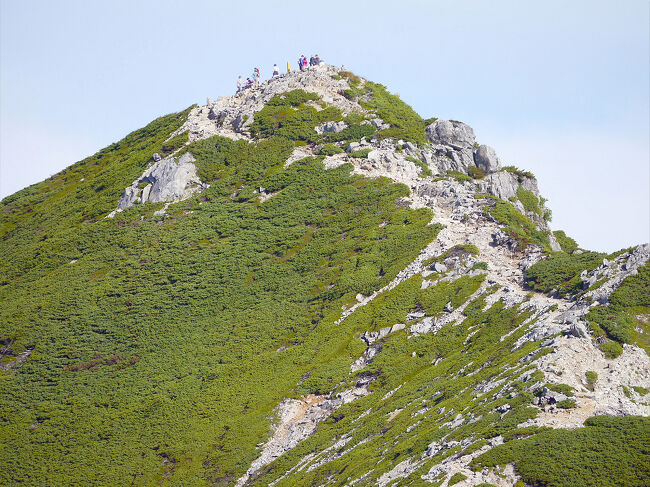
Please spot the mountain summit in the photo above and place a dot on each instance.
(307, 283)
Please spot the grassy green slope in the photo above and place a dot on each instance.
(156, 354)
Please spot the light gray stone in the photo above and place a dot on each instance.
(439, 267)
(486, 158)
(454, 134)
(170, 179)
(331, 127)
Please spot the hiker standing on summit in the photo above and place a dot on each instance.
(239, 81)
(276, 70)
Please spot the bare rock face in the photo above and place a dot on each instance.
(169, 179)
(504, 185)
(486, 158)
(454, 134)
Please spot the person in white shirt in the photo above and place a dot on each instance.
(276, 70)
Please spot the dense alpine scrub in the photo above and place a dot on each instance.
(177, 323)
(79, 195)
(625, 318)
(560, 272)
(608, 452)
(405, 123)
(517, 226)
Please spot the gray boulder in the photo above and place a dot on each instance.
(331, 127)
(486, 158)
(170, 179)
(454, 134)
(439, 267)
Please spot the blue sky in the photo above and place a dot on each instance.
(559, 88)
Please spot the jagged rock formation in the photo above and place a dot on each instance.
(405, 361)
(168, 180)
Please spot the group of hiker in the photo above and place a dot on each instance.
(313, 61)
(254, 80)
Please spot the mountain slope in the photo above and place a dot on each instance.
(307, 283)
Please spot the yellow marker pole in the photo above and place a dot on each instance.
(288, 67)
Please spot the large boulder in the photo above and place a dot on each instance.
(486, 158)
(170, 179)
(331, 127)
(454, 134)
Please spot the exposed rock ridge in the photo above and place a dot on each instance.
(456, 207)
(230, 116)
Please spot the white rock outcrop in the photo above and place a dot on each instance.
(168, 180)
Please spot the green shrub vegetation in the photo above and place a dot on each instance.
(640, 390)
(518, 226)
(330, 150)
(622, 318)
(476, 172)
(565, 389)
(288, 116)
(529, 200)
(460, 250)
(566, 404)
(361, 153)
(520, 173)
(561, 271)
(424, 169)
(567, 244)
(608, 451)
(611, 349)
(353, 133)
(155, 340)
(404, 122)
(457, 477)
(591, 377)
(457, 175)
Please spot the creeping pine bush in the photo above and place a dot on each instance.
(608, 451)
(619, 319)
(457, 477)
(361, 153)
(287, 116)
(520, 173)
(476, 172)
(562, 271)
(529, 200)
(518, 226)
(591, 377)
(330, 150)
(567, 244)
(404, 122)
(154, 341)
